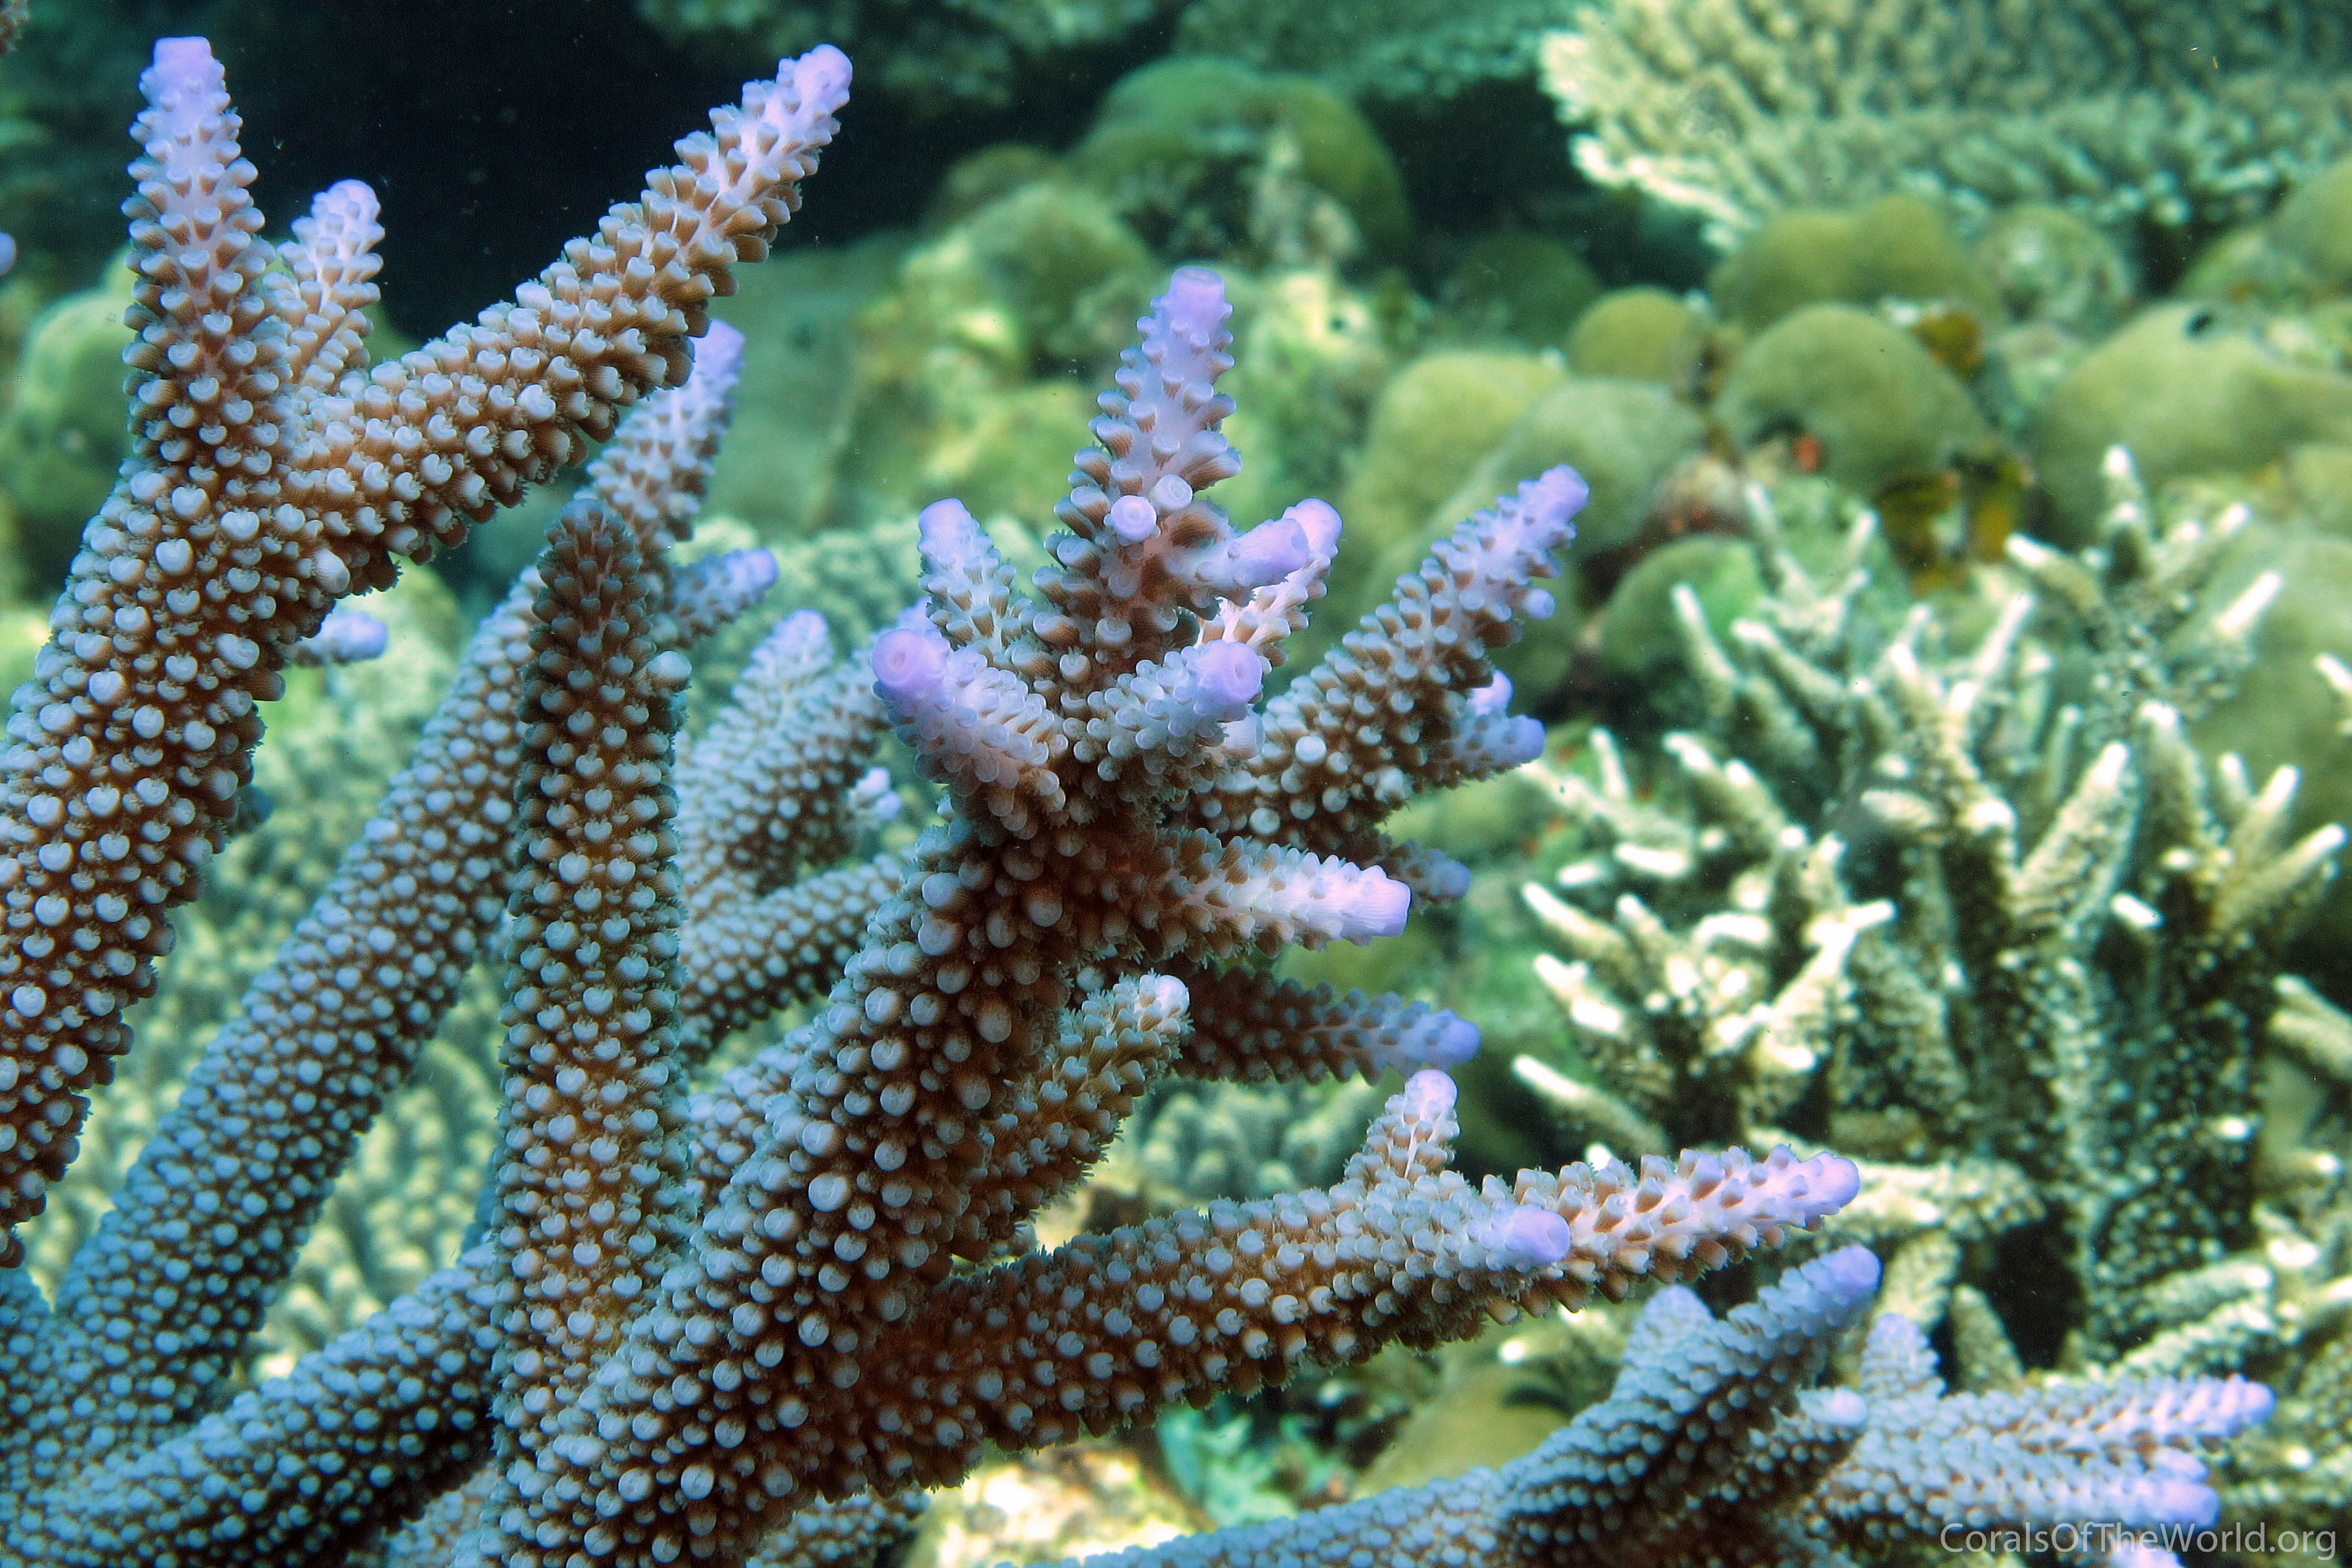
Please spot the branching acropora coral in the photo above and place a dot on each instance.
(1007, 998)
(1987, 919)
(271, 474)
(692, 1320)
(1712, 1448)
(2165, 111)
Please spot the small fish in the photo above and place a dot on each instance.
(1910, 506)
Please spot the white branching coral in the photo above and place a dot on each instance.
(1986, 918)
(2170, 112)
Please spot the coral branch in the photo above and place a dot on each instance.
(251, 511)
(1712, 1448)
(1323, 773)
(355, 1437)
(1248, 1027)
(278, 1101)
(589, 1194)
(323, 295)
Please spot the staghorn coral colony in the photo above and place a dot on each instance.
(2013, 951)
(1738, 111)
(1731, 952)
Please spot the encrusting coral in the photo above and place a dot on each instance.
(746, 1323)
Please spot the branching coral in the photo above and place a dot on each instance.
(1987, 917)
(691, 1321)
(1712, 1448)
(1237, 1140)
(744, 1323)
(1003, 1014)
(334, 749)
(271, 476)
(2166, 111)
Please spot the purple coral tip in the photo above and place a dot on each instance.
(1529, 1238)
(1320, 522)
(1133, 519)
(1559, 492)
(1850, 1273)
(797, 636)
(1271, 552)
(1374, 906)
(2218, 1408)
(1831, 1183)
(753, 570)
(356, 634)
(1194, 303)
(1428, 1095)
(1521, 742)
(1494, 697)
(182, 63)
(181, 83)
(943, 520)
(821, 75)
(951, 540)
(1442, 1040)
(349, 198)
(346, 636)
(2181, 1503)
(801, 629)
(1453, 1042)
(1230, 675)
(1443, 876)
(908, 664)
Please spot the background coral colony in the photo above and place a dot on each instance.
(1640, 861)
